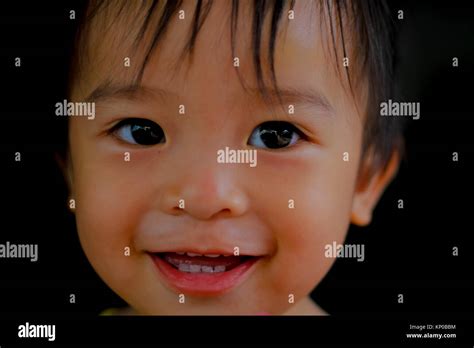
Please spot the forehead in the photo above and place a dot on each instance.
(303, 52)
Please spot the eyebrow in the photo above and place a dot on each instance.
(109, 90)
(293, 95)
(288, 95)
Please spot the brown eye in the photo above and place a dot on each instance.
(274, 135)
(139, 131)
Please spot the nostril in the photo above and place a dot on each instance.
(177, 211)
(225, 212)
(179, 208)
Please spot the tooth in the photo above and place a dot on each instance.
(183, 267)
(193, 254)
(219, 269)
(174, 263)
(212, 255)
(195, 269)
(207, 269)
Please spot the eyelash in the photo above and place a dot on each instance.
(282, 125)
(279, 133)
(140, 122)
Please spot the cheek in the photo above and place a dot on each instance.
(321, 191)
(109, 198)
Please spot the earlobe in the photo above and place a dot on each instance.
(361, 216)
(369, 190)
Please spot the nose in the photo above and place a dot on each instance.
(206, 191)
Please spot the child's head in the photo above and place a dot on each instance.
(174, 83)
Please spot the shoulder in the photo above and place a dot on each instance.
(117, 311)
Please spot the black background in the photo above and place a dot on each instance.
(408, 250)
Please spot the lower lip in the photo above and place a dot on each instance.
(204, 283)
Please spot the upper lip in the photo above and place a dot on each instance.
(214, 251)
(220, 237)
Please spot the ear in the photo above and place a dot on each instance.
(64, 165)
(370, 188)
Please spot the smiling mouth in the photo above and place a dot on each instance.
(188, 262)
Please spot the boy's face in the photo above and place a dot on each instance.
(284, 210)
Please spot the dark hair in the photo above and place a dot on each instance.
(374, 35)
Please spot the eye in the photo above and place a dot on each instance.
(139, 131)
(274, 135)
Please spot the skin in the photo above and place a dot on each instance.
(135, 204)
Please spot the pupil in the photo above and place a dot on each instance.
(276, 136)
(146, 135)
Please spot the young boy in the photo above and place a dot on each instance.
(232, 142)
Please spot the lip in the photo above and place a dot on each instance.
(204, 284)
(225, 252)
